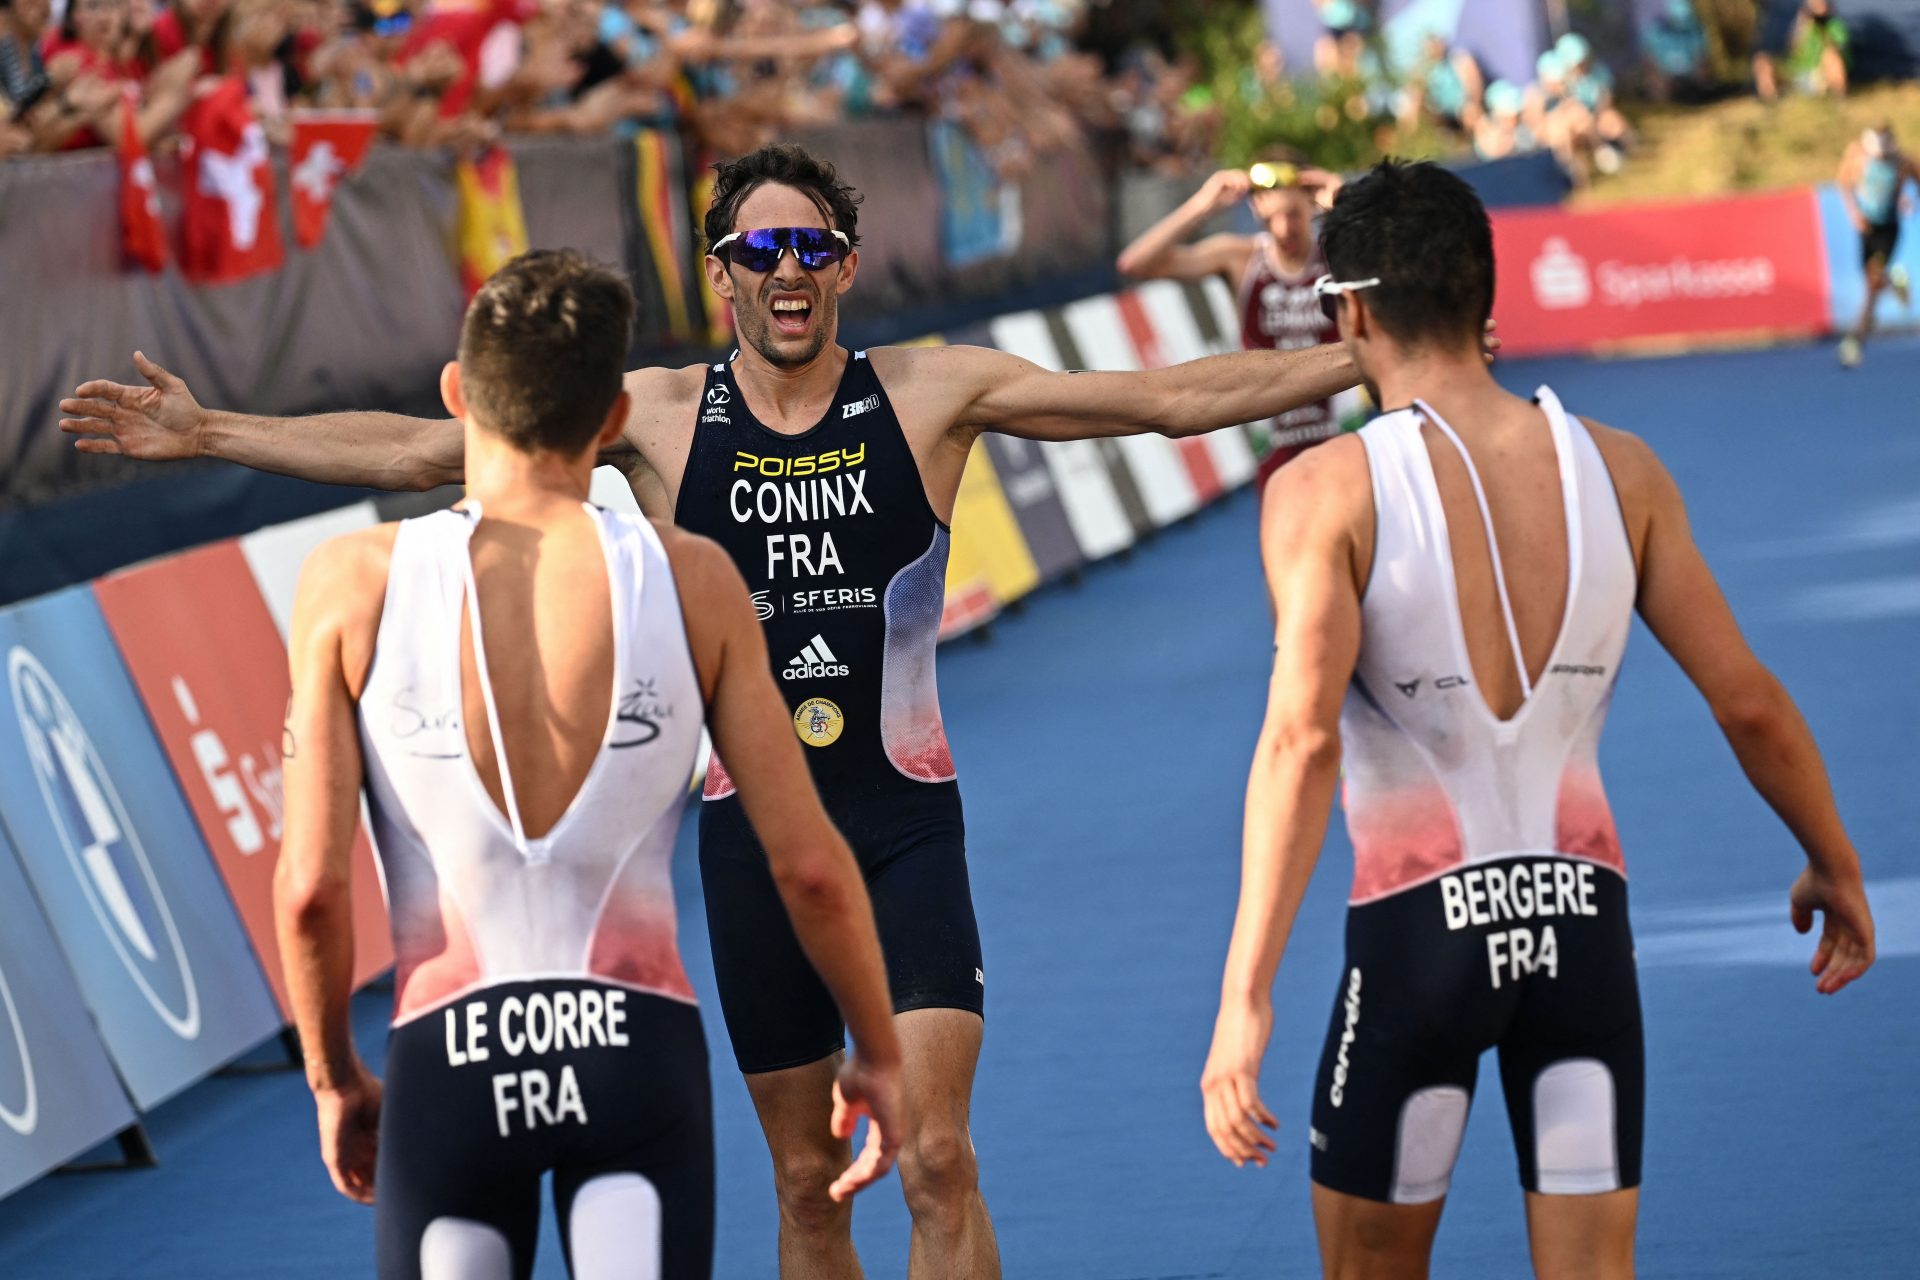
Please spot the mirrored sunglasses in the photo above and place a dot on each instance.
(761, 248)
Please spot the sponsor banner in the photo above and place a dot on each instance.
(1151, 353)
(1030, 490)
(1180, 340)
(1574, 281)
(1847, 277)
(1126, 486)
(115, 858)
(1217, 312)
(1100, 525)
(1166, 488)
(276, 554)
(202, 649)
(58, 1094)
(987, 546)
(984, 526)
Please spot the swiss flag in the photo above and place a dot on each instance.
(231, 229)
(141, 235)
(327, 146)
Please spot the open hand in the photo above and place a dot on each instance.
(1230, 1085)
(1846, 937)
(158, 421)
(875, 1092)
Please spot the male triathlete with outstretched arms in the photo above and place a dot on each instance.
(830, 476)
(519, 684)
(1453, 587)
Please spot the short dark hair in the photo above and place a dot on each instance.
(789, 165)
(543, 349)
(1424, 233)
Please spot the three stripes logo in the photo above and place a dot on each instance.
(814, 662)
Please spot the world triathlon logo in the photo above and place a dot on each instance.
(19, 1099)
(102, 847)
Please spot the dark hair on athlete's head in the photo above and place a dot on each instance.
(1424, 233)
(543, 349)
(788, 165)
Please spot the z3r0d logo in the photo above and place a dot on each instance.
(102, 847)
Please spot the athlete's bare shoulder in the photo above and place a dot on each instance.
(945, 382)
(662, 398)
(1321, 503)
(342, 593)
(1640, 481)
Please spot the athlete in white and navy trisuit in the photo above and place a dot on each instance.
(832, 477)
(1453, 589)
(519, 684)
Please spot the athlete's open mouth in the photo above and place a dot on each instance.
(791, 312)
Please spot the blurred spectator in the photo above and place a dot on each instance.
(23, 73)
(1348, 23)
(190, 24)
(1816, 58)
(1676, 48)
(1502, 129)
(1446, 87)
(1589, 82)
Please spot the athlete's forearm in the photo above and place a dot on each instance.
(1289, 795)
(1775, 748)
(315, 926)
(1248, 386)
(1143, 258)
(373, 450)
(833, 920)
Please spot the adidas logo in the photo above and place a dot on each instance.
(813, 662)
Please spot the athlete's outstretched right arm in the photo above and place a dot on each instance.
(1683, 606)
(163, 421)
(812, 866)
(1307, 542)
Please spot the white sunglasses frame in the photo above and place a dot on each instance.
(1327, 287)
(784, 250)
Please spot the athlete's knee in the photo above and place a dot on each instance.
(801, 1180)
(938, 1171)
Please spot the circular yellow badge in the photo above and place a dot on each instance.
(818, 721)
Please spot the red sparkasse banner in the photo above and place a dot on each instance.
(1571, 281)
(212, 670)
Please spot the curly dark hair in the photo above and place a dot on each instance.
(789, 165)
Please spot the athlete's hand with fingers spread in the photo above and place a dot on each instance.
(1226, 188)
(158, 421)
(1490, 344)
(875, 1091)
(350, 1132)
(1230, 1085)
(1846, 937)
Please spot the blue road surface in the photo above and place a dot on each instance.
(1103, 736)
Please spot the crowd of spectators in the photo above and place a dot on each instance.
(732, 73)
(1568, 107)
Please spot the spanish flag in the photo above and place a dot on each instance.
(493, 229)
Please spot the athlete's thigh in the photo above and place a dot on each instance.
(939, 1053)
(778, 1013)
(455, 1199)
(1412, 1013)
(795, 1106)
(1583, 1237)
(633, 1184)
(1573, 1061)
(923, 909)
(1363, 1239)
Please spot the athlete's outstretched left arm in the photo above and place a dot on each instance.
(996, 391)
(312, 885)
(1307, 539)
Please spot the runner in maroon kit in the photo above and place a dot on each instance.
(1272, 272)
